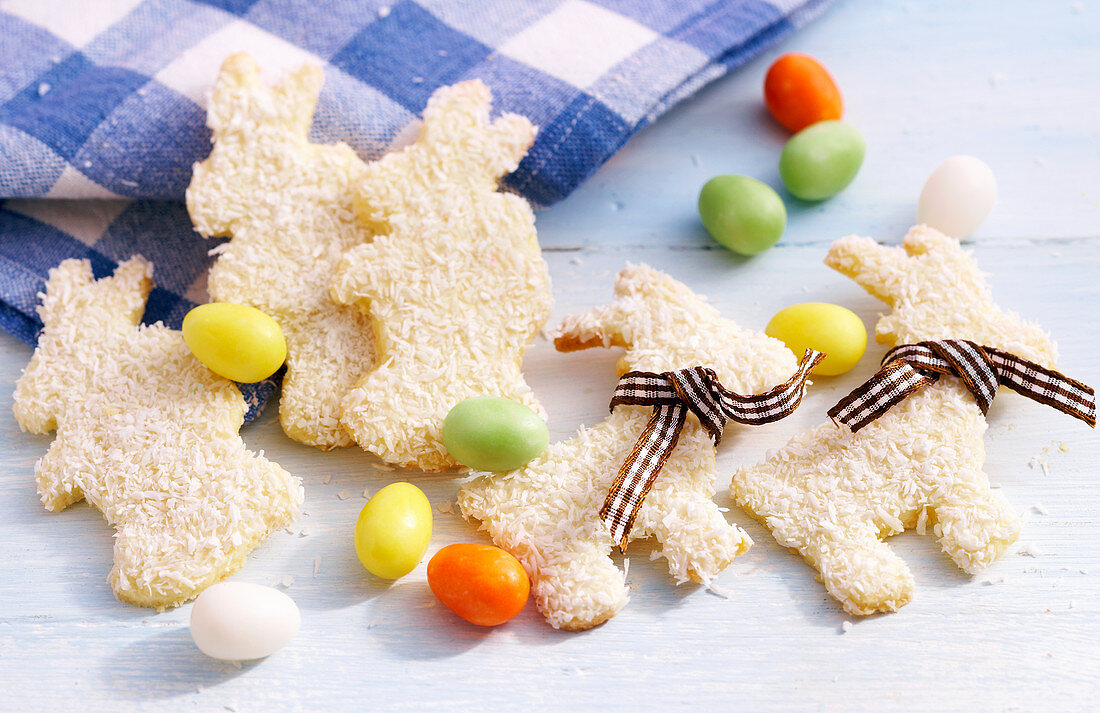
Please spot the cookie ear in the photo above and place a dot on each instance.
(509, 138)
(240, 99)
(76, 307)
(458, 117)
(296, 96)
(127, 290)
(878, 269)
(115, 302)
(237, 80)
(254, 127)
(458, 109)
(64, 287)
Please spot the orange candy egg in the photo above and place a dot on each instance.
(482, 584)
(799, 92)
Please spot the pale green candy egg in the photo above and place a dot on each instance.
(493, 434)
(393, 530)
(821, 160)
(235, 341)
(837, 332)
(741, 213)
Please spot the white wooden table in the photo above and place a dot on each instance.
(1013, 82)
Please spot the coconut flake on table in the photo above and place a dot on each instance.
(1027, 549)
(1039, 462)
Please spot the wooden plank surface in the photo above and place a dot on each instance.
(1012, 82)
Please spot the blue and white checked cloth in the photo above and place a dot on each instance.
(104, 99)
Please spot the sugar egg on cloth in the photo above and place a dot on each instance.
(239, 621)
(957, 196)
(480, 583)
(821, 160)
(235, 341)
(393, 530)
(742, 214)
(493, 434)
(834, 330)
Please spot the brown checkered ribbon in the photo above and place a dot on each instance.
(910, 367)
(672, 394)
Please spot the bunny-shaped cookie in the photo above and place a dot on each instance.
(148, 435)
(454, 282)
(287, 204)
(834, 495)
(547, 512)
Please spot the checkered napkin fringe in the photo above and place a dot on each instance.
(106, 100)
(672, 394)
(983, 369)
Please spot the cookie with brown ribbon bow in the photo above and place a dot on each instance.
(906, 449)
(548, 513)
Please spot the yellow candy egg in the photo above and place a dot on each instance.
(828, 328)
(393, 530)
(235, 341)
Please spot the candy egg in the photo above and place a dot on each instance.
(482, 584)
(235, 341)
(493, 434)
(238, 621)
(958, 196)
(741, 213)
(799, 92)
(820, 161)
(393, 530)
(837, 332)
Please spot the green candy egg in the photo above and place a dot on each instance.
(741, 213)
(493, 434)
(821, 160)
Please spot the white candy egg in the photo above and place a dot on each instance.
(958, 196)
(238, 621)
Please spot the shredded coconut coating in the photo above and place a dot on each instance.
(454, 282)
(547, 512)
(148, 435)
(834, 495)
(287, 204)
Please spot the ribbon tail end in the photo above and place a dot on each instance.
(842, 424)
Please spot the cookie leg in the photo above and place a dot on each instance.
(974, 524)
(321, 369)
(140, 574)
(695, 537)
(859, 570)
(57, 476)
(578, 587)
(154, 569)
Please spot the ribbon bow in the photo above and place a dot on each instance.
(672, 394)
(911, 367)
